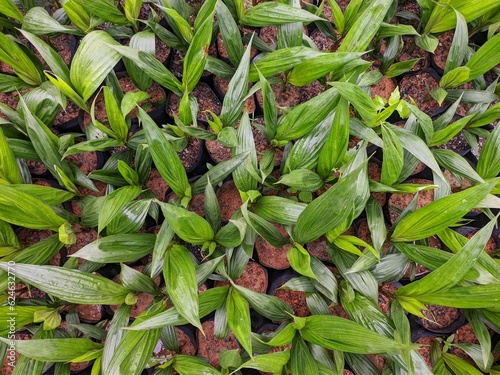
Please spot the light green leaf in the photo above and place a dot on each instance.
(180, 282)
(365, 27)
(196, 55)
(300, 260)
(39, 22)
(440, 214)
(9, 170)
(326, 212)
(238, 318)
(88, 67)
(443, 18)
(317, 67)
(23, 209)
(13, 55)
(187, 365)
(488, 165)
(272, 13)
(392, 164)
(359, 99)
(454, 270)
(187, 225)
(55, 350)
(165, 157)
(305, 116)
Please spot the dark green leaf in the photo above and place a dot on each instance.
(71, 285)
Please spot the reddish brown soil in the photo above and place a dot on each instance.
(254, 277)
(210, 346)
(270, 256)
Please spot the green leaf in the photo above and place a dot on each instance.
(444, 135)
(269, 306)
(182, 26)
(237, 91)
(54, 350)
(271, 13)
(416, 147)
(71, 285)
(458, 47)
(392, 164)
(218, 173)
(243, 179)
(115, 334)
(67, 90)
(238, 318)
(304, 153)
(186, 365)
(333, 151)
(325, 282)
(270, 108)
(117, 248)
(79, 16)
(302, 179)
(272, 362)
(467, 297)
(104, 9)
(212, 208)
(281, 60)
(209, 301)
(318, 66)
(458, 365)
(39, 22)
(165, 157)
(180, 282)
(152, 67)
(133, 351)
(196, 55)
(301, 359)
(427, 42)
(265, 229)
(11, 10)
(485, 58)
(318, 330)
(187, 225)
(51, 57)
(400, 68)
(114, 203)
(304, 117)
(443, 18)
(300, 260)
(13, 55)
(278, 209)
(23, 209)
(116, 119)
(455, 77)
(88, 67)
(290, 34)
(326, 212)
(365, 27)
(454, 270)
(488, 165)
(440, 214)
(132, 9)
(9, 170)
(359, 99)
(230, 34)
